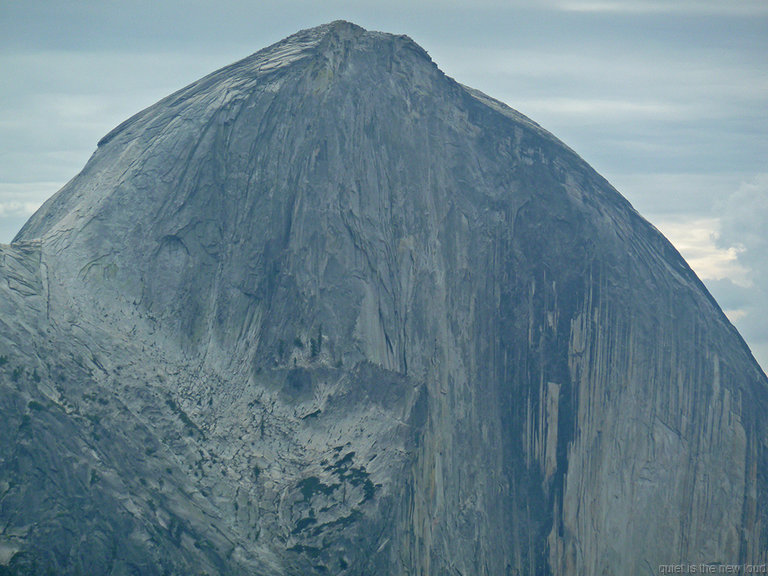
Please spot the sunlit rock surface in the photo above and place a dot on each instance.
(327, 311)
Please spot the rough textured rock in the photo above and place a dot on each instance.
(327, 311)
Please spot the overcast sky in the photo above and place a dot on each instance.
(668, 99)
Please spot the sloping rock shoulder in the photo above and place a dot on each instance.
(328, 311)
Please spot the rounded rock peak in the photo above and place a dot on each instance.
(342, 26)
(342, 32)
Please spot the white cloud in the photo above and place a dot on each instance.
(737, 281)
(581, 110)
(697, 241)
(742, 218)
(18, 201)
(717, 222)
(14, 208)
(22, 199)
(735, 315)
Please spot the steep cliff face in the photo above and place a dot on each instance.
(328, 311)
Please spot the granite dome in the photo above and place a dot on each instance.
(327, 310)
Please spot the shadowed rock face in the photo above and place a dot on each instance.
(327, 311)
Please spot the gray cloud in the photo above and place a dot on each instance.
(676, 196)
(710, 7)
